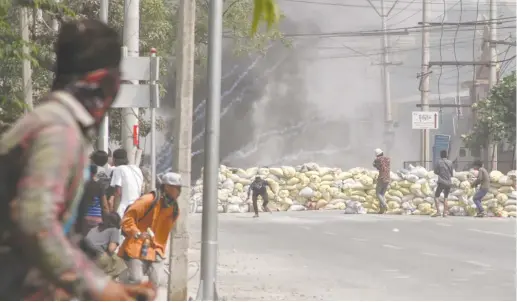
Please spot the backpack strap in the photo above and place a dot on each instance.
(153, 204)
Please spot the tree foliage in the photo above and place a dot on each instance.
(157, 29)
(495, 116)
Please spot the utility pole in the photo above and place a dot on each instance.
(492, 80)
(103, 142)
(26, 64)
(385, 76)
(179, 240)
(424, 83)
(208, 270)
(131, 38)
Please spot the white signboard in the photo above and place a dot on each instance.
(425, 120)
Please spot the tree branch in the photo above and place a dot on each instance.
(230, 6)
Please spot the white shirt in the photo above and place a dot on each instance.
(130, 179)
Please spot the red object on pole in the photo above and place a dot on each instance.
(135, 135)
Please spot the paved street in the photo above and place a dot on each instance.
(331, 256)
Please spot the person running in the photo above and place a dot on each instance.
(382, 164)
(443, 169)
(146, 225)
(483, 181)
(259, 188)
(43, 167)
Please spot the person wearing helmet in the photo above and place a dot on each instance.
(259, 188)
(43, 168)
(382, 164)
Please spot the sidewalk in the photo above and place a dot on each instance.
(194, 257)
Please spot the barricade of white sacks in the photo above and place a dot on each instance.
(309, 186)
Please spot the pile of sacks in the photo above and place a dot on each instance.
(310, 186)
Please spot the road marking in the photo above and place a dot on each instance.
(360, 239)
(460, 280)
(329, 233)
(389, 246)
(305, 228)
(478, 263)
(402, 277)
(391, 270)
(444, 224)
(492, 233)
(429, 254)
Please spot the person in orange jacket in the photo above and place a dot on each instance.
(146, 226)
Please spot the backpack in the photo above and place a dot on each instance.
(147, 212)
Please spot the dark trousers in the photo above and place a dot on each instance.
(265, 200)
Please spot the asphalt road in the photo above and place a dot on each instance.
(326, 255)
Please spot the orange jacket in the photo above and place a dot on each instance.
(160, 220)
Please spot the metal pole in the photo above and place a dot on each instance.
(424, 93)
(131, 39)
(154, 103)
(212, 135)
(492, 80)
(26, 65)
(388, 120)
(103, 142)
(179, 241)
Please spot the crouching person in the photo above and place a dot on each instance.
(146, 226)
(104, 238)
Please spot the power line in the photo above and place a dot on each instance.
(400, 30)
(346, 5)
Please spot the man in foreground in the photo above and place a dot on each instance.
(443, 169)
(483, 181)
(43, 167)
(382, 164)
(259, 188)
(146, 226)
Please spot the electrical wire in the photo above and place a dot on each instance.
(342, 4)
(403, 9)
(474, 68)
(456, 58)
(409, 29)
(441, 58)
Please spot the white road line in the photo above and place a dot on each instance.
(360, 239)
(402, 277)
(305, 228)
(492, 233)
(429, 254)
(391, 270)
(329, 233)
(389, 246)
(444, 224)
(484, 265)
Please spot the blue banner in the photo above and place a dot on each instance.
(441, 142)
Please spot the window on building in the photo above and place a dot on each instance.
(463, 152)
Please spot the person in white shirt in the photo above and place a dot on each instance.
(127, 181)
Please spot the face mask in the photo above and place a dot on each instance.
(168, 201)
